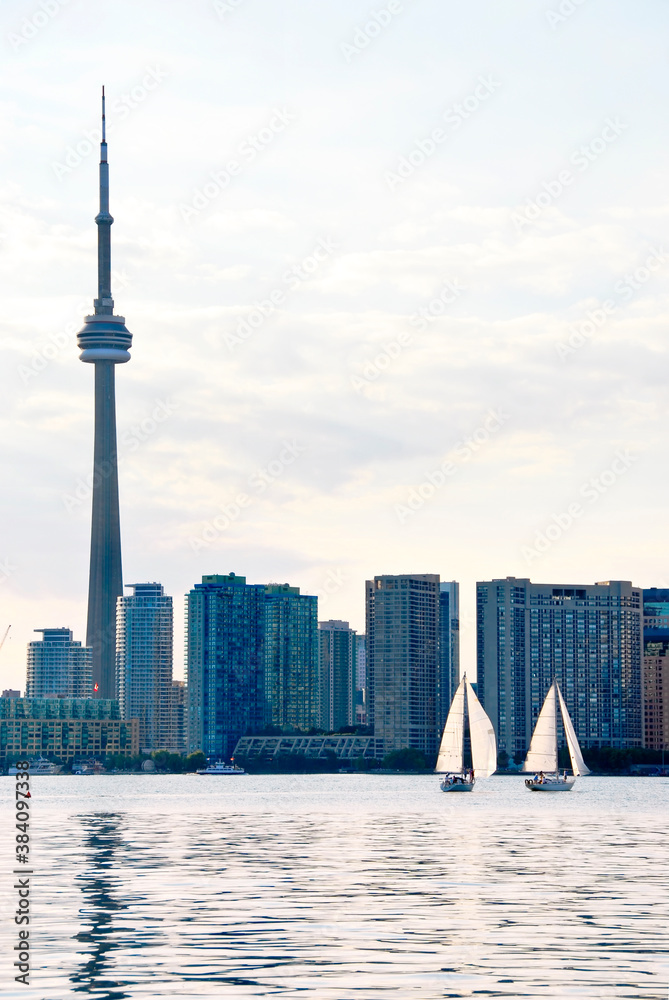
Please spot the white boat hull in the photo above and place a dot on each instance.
(459, 785)
(222, 769)
(549, 786)
(224, 774)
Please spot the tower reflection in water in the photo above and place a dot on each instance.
(101, 937)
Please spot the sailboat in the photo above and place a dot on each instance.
(451, 750)
(542, 757)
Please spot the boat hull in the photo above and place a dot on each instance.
(37, 767)
(549, 786)
(222, 774)
(457, 785)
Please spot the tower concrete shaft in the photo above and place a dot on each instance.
(104, 341)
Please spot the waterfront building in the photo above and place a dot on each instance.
(588, 637)
(104, 342)
(361, 718)
(144, 662)
(345, 747)
(402, 628)
(292, 686)
(58, 666)
(225, 660)
(337, 669)
(65, 728)
(449, 646)
(655, 687)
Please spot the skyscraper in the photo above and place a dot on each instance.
(449, 646)
(586, 637)
(178, 740)
(403, 660)
(291, 657)
(58, 666)
(225, 653)
(144, 662)
(655, 686)
(361, 681)
(104, 342)
(337, 674)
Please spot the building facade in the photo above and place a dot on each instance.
(655, 687)
(144, 630)
(402, 628)
(58, 666)
(337, 674)
(65, 728)
(449, 646)
(292, 686)
(344, 747)
(225, 658)
(178, 741)
(361, 715)
(587, 637)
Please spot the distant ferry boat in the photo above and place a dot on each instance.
(39, 766)
(220, 768)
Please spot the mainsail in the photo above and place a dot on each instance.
(542, 755)
(450, 750)
(484, 745)
(577, 763)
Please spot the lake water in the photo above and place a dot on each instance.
(342, 887)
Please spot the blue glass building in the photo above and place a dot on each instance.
(292, 684)
(225, 654)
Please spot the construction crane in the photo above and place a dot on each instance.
(2, 642)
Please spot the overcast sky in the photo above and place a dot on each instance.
(397, 279)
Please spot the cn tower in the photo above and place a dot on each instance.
(104, 342)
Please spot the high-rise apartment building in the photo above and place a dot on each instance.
(402, 615)
(225, 654)
(337, 674)
(178, 740)
(361, 718)
(588, 637)
(292, 685)
(144, 630)
(58, 667)
(655, 686)
(449, 646)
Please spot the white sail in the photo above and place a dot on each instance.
(542, 755)
(451, 748)
(484, 744)
(577, 763)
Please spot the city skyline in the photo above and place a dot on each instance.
(486, 308)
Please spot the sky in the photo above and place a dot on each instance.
(396, 274)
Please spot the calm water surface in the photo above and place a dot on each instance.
(342, 887)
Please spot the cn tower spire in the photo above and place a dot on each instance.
(104, 342)
(104, 304)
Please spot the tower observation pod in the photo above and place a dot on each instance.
(104, 342)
